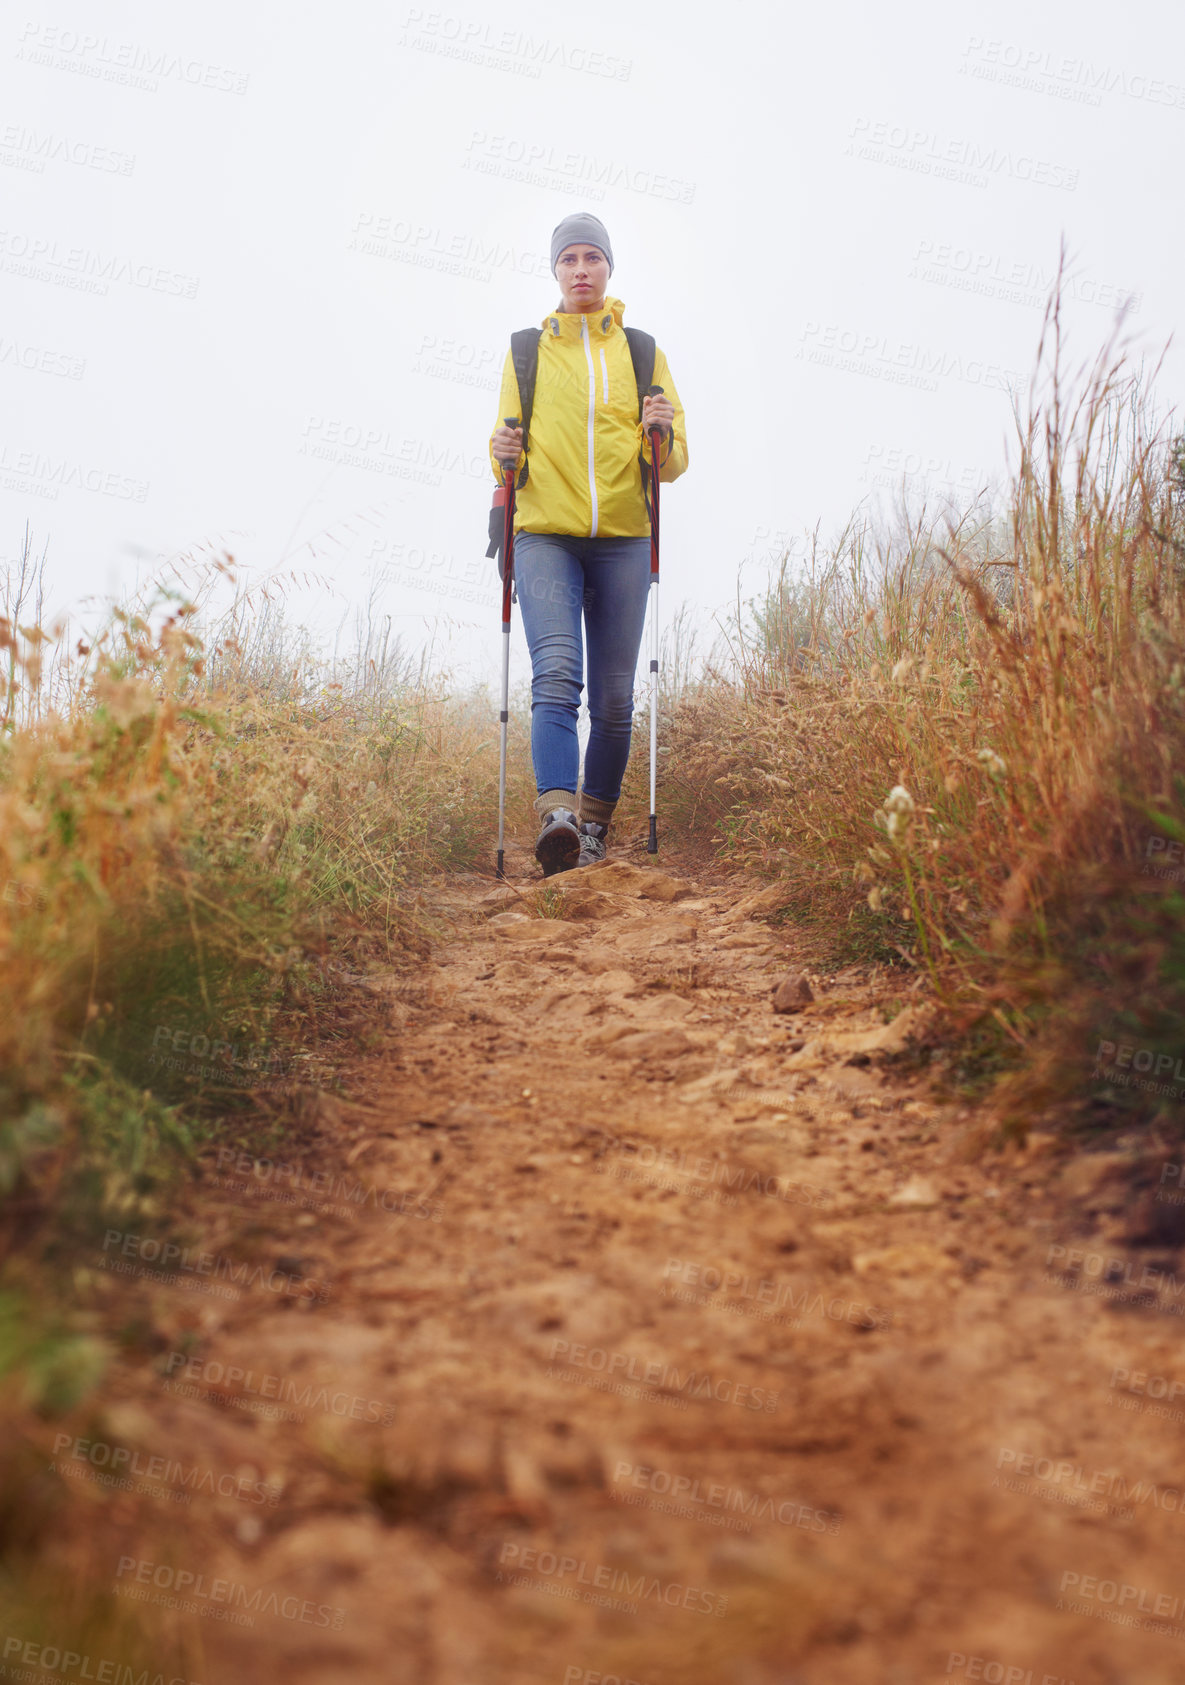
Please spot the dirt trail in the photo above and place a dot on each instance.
(703, 1347)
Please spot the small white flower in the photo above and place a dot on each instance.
(991, 762)
(897, 815)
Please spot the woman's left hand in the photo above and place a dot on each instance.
(657, 412)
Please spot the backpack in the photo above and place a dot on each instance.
(524, 349)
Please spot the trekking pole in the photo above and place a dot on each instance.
(655, 449)
(508, 471)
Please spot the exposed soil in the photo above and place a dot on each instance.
(673, 1340)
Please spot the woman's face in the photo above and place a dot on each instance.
(583, 274)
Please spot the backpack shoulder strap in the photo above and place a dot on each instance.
(642, 350)
(524, 351)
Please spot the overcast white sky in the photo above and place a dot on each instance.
(259, 265)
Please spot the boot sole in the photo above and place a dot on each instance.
(558, 850)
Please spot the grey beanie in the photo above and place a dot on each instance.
(580, 229)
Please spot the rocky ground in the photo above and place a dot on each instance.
(629, 1329)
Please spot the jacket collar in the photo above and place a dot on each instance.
(562, 325)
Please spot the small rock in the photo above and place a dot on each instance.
(650, 1044)
(919, 1259)
(498, 900)
(792, 993)
(918, 1194)
(647, 882)
(887, 1038)
(513, 927)
(614, 982)
(772, 898)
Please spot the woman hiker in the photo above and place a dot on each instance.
(582, 538)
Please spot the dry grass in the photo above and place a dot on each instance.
(195, 832)
(962, 746)
(208, 836)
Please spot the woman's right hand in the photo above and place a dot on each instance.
(508, 445)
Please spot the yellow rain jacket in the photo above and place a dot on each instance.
(585, 436)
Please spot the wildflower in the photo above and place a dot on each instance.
(897, 815)
(991, 762)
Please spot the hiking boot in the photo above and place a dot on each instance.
(592, 842)
(557, 847)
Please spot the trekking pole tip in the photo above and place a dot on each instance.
(652, 844)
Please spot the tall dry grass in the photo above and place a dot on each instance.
(961, 745)
(209, 834)
(196, 828)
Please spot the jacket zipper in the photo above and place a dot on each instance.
(592, 414)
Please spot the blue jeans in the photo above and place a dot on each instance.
(607, 579)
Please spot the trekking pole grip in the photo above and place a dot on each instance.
(655, 432)
(509, 421)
